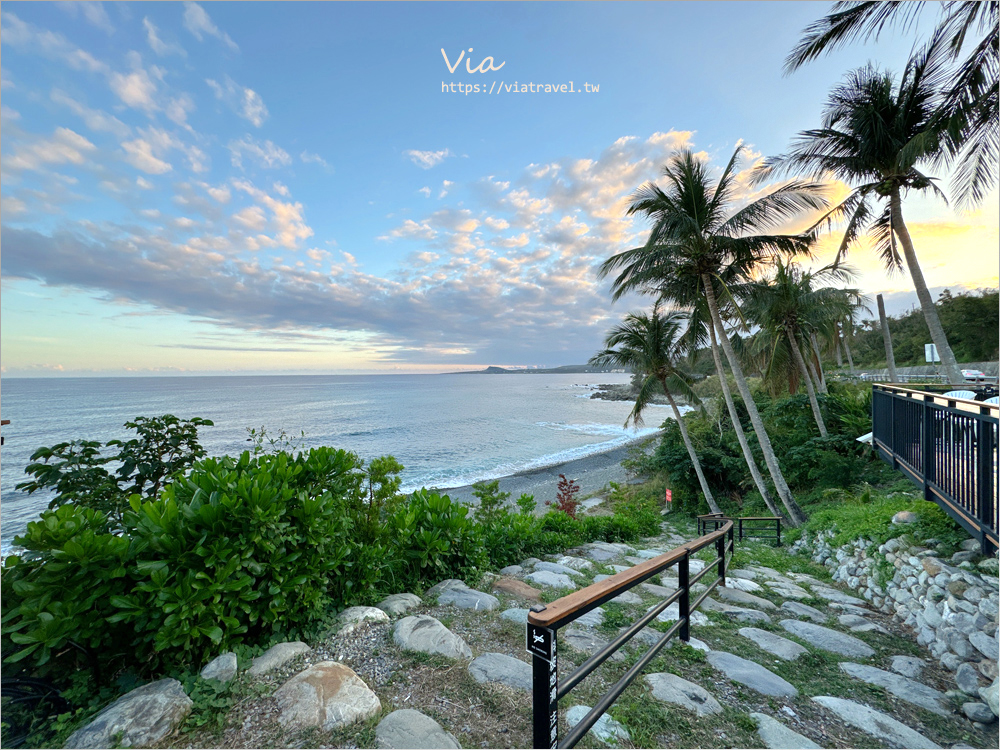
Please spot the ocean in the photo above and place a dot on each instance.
(446, 430)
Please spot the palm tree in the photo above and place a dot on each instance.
(696, 243)
(649, 346)
(873, 136)
(969, 107)
(788, 308)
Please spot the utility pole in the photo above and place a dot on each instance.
(889, 359)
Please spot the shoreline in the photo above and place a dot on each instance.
(591, 472)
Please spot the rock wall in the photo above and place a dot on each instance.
(952, 606)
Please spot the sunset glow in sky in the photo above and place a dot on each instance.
(298, 187)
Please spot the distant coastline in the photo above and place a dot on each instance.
(563, 370)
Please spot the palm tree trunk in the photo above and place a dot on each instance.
(690, 449)
(811, 369)
(848, 332)
(819, 362)
(738, 428)
(795, 514)
(839, 355)
(948, 361)
(801, 363)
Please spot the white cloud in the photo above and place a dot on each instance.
(427, 159)
(139, 153)
(65, 146)
(136, 89)
(159, 46)
(251, 217)
(92, 12)
(219, 194)
(143, 183)
(177, 110)
(445, 186)
(196, 21)
(309, 158)
(497, 225)
(48, 43)
(95, 119)
(243, 101)
(425, 191)
(266, 154)
(286, 217)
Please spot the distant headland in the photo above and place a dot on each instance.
(563, 370)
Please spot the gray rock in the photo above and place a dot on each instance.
(875, 723)
(852, 609)
(495, 667)
(908, 666)
(399, 604)
(576, 563)
(327, 695)
(425, 634)
(592, 619)
(648, 554)
(276, 656)
(550, 579)
(827, 639)
(629, 597)
(633, 560)
(751, 674)
(833, 595)
(604, 551)
(606, 729)
(858, 624)
(409, 729)
(141, 717)
(988, 646)
(903, 688)
(788, 590)
(904, 516)
(352, 617)
(741, 597)
(804, 610)
(553, 567)
(661, 591)
(747, 575)
(990, 696)
(586, 641)
(670, 688)
(221, 668)
(511, 570)
(449, 583)
(967, 679)
(777, 736)
(740, 614)
(515, 615)
(774, 644)
(468, 599)
(978, 712)
(673, 613)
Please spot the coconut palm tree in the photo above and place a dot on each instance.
(789, 307)
(874, 134)
(697, 241)
(969, 107)
(650, 346)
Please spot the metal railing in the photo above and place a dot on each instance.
(767, 528)
(544, 622)
(948, 447)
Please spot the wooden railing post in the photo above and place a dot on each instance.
(684, 603)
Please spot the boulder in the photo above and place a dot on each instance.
(516, 588)
(628, 597)
(399, 604)
(742, 584)
(833, 595)
(804, 610)
(466, 598)
(448, 583)
(592, 619)
(221, 668)
(967, 679)
(327, 695)
(426, 635)
(904, 516)
(829, 640)
(774, 644)
(409, 729)
(986, 645)
(276, 656)
(517, 615)
(140, 718)
(604, 551)
(670, 688)
(553, 567)
(875, 723)
(550, 579)
(606, 729)
(741, 597)
(495, 667)
(777, 736)
(903, 688)
(908, 666)
(511, 570)
(751, 674)
(978, 712)
(576, 563)
(352, 617)
(587, 642)
(990, 696)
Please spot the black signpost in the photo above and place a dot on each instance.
(541, 644)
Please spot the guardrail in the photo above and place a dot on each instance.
(948, 447)
(747, 527)
(545, 620)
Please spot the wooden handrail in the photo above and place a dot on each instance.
(962, 404)
(571, 603)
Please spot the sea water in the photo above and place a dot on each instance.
(446, 430)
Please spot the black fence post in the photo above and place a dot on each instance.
(541, 644)
(777, 523)
(720, 552)
(927, 445)
(985, 487)
(684, 603)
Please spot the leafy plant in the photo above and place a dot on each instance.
(566, 496)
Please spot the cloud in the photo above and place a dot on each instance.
(92, 12)
(148, 152)
(64, 147)
(266, 154)
(196, 21)
(17, 33)
(139, 153)
(445, 186)
(427, 159)
(94, 119)
(159, 46)
(177, 110)
(245, 102)
(308, 158)
(286, 217)
(136, 89)
(425, 191)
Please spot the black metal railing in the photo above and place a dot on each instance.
(767, 528)
(544, 621)
(948, 447)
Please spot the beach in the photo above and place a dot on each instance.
(591, 472)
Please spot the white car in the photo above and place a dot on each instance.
(974, 376)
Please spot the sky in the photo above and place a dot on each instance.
(199, 188)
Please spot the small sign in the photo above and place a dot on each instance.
(931, 353)
(540, 642)
(670, 496)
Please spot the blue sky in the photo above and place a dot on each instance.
(285, 187)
